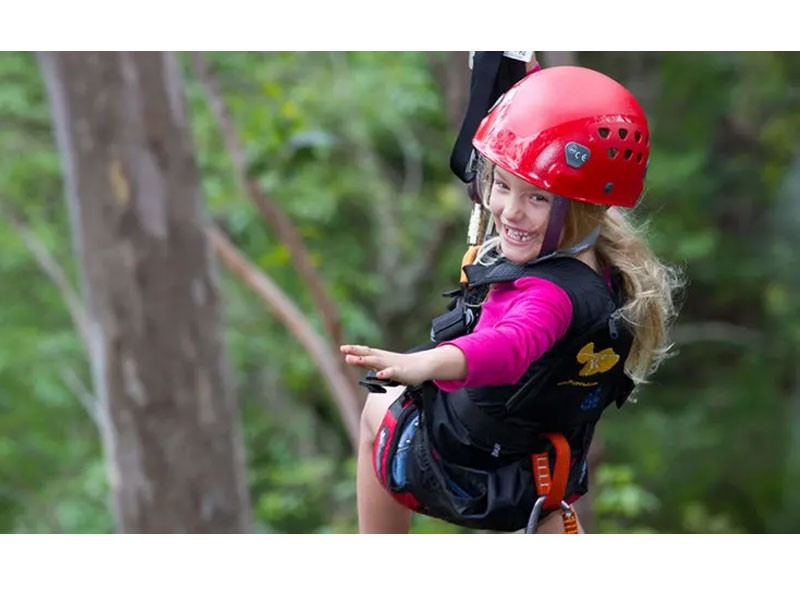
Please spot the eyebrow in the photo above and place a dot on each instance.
(536, 190)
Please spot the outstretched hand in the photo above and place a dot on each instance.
(409, 369)
(444, 362)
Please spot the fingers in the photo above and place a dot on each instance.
(363, 356)
(368, 362)
(387, 365)
(355, 350)
(372, 358)
(355, 355)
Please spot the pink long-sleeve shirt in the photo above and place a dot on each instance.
(519, 322)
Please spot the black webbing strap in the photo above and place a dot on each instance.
(506, 270)
(492, 75)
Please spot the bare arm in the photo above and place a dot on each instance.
(442, 363)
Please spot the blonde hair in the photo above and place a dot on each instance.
(651, 288)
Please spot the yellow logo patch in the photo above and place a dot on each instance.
(596, 362)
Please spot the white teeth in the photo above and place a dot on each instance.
(520, 236)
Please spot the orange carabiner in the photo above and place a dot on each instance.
(569, 518)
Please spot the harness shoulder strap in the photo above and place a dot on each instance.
(464, 309)
(554, 268)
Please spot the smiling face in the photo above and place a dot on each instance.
(521, 212)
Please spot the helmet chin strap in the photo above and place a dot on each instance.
(555, 225)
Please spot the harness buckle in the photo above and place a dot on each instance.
(376, 385)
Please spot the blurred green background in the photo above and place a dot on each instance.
(354, 148)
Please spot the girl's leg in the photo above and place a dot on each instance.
(378, 512)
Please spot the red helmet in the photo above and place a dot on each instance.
(571, 131)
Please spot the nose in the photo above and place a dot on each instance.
(513, 208)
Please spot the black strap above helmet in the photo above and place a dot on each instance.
(492, 75)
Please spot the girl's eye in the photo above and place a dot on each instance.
(500, 184)
(539, 198)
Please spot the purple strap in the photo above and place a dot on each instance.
(558, 213)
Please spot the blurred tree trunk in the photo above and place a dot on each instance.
(168, 417)
(451, 72)
(558, 58)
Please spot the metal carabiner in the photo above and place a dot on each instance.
(533, 520)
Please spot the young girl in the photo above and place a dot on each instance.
(573, 306)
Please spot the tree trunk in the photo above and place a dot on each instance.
(168, 417)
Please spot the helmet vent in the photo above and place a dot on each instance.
(637, 136)
(604, 132)
(623, 133)
(639, 157)
(628, 154)
(612, 152)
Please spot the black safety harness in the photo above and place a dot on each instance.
(512, 451)
(562, 395)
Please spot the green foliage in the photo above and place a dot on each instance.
(354, 148)
(621, 503)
